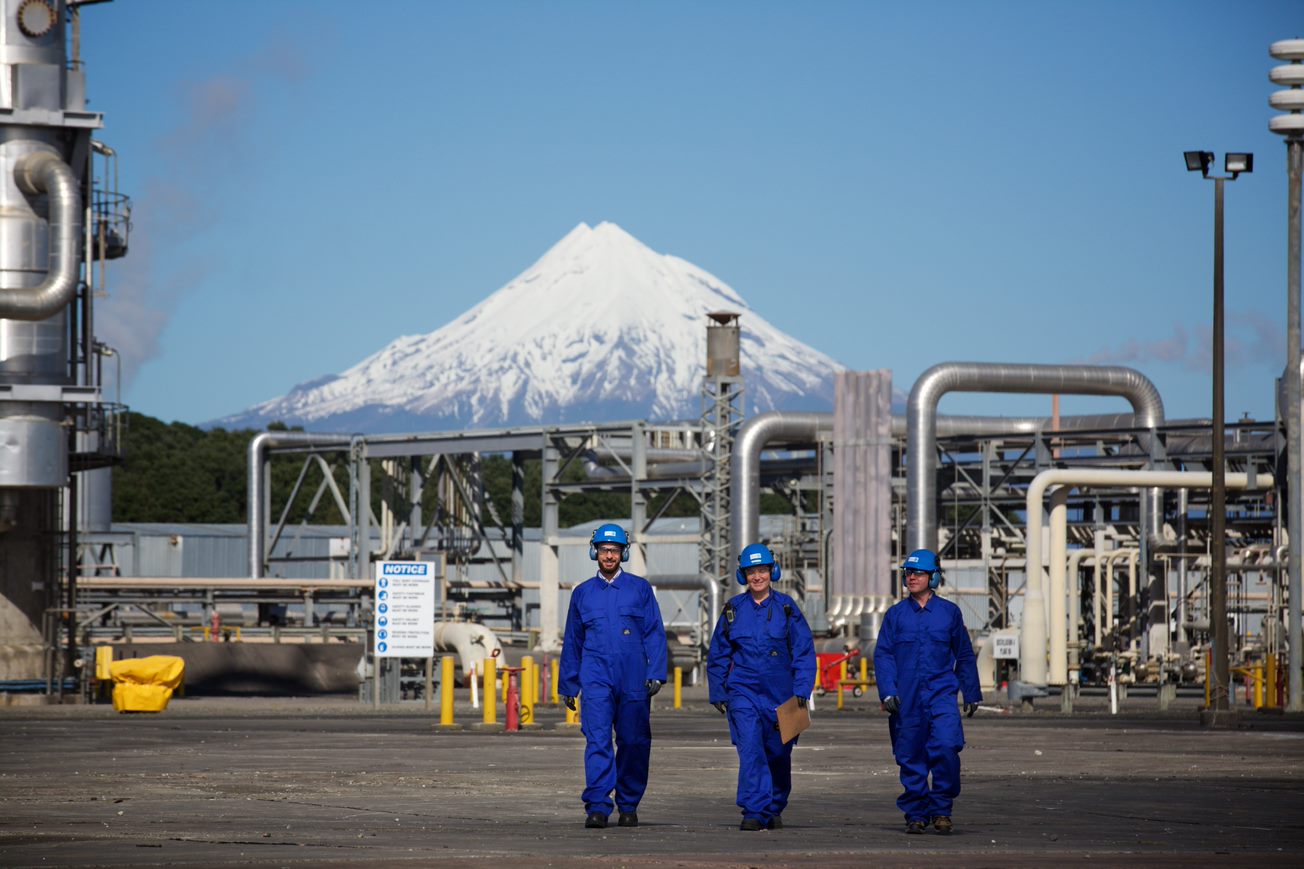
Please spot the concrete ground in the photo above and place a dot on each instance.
(331, 782)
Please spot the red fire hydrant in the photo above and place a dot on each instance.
(512, 720)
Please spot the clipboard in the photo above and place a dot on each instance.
(793, 719)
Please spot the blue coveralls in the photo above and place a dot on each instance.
(764, 658)
(924, 657)
(614, 643)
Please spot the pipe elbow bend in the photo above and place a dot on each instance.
(36, 173)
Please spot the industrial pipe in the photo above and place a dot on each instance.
(688, 581)
(473, 643)
(36, 173)
(745, 472)
(219, 583)
(921, 423)
(1132, 554)
(759, 431)
(1032, 646)
(1075, 602)
(257, 475)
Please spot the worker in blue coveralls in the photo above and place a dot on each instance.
(922, 659)
(761, 656)
(613, 655)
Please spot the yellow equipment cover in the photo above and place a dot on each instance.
(145, 684)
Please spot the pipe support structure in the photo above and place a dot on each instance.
(1033, 643)
(259, 493)
(779, 427)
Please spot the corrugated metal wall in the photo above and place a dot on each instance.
(862, 484)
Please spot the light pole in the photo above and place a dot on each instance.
(1234, 164)
(1291, 125)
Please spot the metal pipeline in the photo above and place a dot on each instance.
(1075, 602)
(1033, 644)
(1108, 620)
(780, 427)
(745, 473)
(692, 581)
(473, 643)
(258, 447)
(36, 173)
(922, 424)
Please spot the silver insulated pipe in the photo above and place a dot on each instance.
(43, 173)
(921, 422)
(745, 471)
(259, 493)
(779, 427)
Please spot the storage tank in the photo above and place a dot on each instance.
(46, 382)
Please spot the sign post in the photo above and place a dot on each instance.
(403, 612)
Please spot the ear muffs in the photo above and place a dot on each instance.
(934, 578)
(775, 573)
(593, 553)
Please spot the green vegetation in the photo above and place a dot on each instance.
(175, 472)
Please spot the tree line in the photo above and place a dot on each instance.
(174, 472)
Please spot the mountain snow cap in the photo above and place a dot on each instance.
(599, 328)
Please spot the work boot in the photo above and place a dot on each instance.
(751, 825)
(942, 824)
(775, 823)
(628, 819)
(595, 821)
(916, 827)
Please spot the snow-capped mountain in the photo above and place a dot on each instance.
(601, 328)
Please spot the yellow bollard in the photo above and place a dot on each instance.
(679, 687)
(446, 679)
(103, 670)
(504, 689)
(490, 695)
(555, 671)
(864, 670)
(103, 658)
(842, 677)
(1258, 685)
(529, 688)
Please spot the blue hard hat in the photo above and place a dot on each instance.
(609, 533)
(925, 560)
(756, 555)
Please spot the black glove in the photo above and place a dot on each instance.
(970, 709)
(892, 704)
(801, 701)
(653, 686)
(569, 701)
(721, 706)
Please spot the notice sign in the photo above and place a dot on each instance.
(1005, 646)
(405, 609)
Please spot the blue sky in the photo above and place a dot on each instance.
(895, 184)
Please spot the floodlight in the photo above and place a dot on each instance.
(1235, 164)
(1198, 161)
